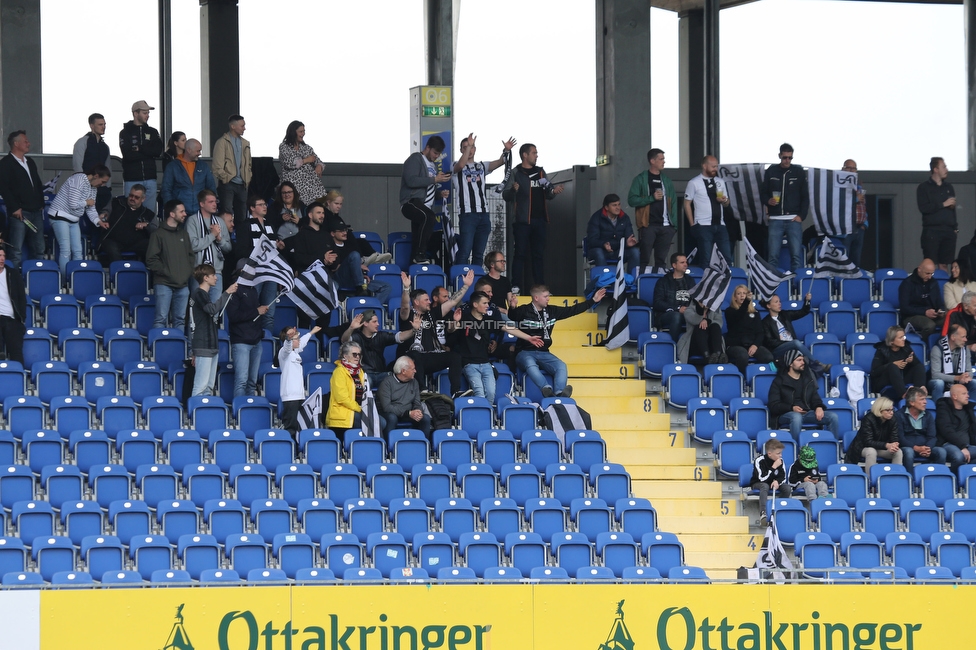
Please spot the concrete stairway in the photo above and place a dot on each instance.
(663, 466)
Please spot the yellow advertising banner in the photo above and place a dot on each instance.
(510, 617)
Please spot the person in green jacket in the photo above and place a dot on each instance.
(653, 197)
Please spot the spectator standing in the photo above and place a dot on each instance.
(170, 258)
(300, 165)
(955, 427)
(292, 378)
(91, 150)
(230, 258)
(604, 231)
(704, 198)
(950, 362)
(895, 364)
(232, 167)
(784, 191)
(127, 226)
(653, 197)
(528, 190)
(257, 225)
(920, 300)
(364, 330)
(961, 280)
(538, 318)
(204, 314)
(937, 203)
(769, 473)
(793, 398)
(854, 242)
(246, 333)
(917, 428)
(501, 286)
(209, 238)
(175, 147)
(140, 145)
(13, 310)
(190, 176)
(878, 437)
(76, 198)
(418, 188)
(349, 386)
(470, 184)
(398, 399)
(671, 297)
(23, 194)
(745, 337)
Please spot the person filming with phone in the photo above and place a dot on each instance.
(895, 364)
(920, 298)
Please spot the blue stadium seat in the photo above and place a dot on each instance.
(833, 517)
(52, 554)
(686, 574)
(790, 517)
(270, 517)
(724, 382)
(130, 278)
(591, 517)
(816, 551)
(246, 552)
(477, 481)
(876, 516)
(167, 346)
(105, 315)
(572, 551)
(342, 481)
(526, 551)
(862, 550)
(129, 519)
(657, 351)
(364, 516)
(72, 579)
(294, 551)
(41, 278)
(109, 483)
(207, 412)
(52, 379)
(62, 483)
(342, 551)
(432, 482)
(319, 447)
(313, 576)
(734, 449)
(454, 447)
(38, 346)
(136, 447)
(249, 482)
(273, 447)
(224, 517)
(224, 576)
(150, 553)
(162, 413)
(921, 516)
(907, 550)
(60, 312)
(98, 379)
(936, 482)
(203, 482)
(144, 380)
(960, 514)
(170, 577)
(103, 553)
(566, 482)
(849, 482)
(388, 551)
(409, 517)
(610, 481)
(586, 448)
(456, 516)
(42, 447)
(663, 551)
(682, 383)
(177, 518)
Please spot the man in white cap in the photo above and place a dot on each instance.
(140, 145)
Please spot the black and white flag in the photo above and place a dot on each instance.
(372, 427)
(742, 183)
(773, 557)
(711, 289)
(315, 292)
(308, 415)
(765, 277)
(690, 257)
(832, 262)
(450, 239)
(266, 265)
(832, 197)
(618, 325)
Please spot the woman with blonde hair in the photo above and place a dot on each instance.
(878, 436)
(744, 339)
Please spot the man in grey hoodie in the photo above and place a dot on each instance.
(418, 188)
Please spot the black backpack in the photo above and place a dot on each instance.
(441, 410)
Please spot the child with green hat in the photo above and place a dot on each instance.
(806, 476)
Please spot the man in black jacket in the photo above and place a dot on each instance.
(785, 193)
(794, 400)
(140, 145)
(920, 300)
(243, 311)
(312, 242)
(127, 227)
(671, 297)
(955, 426)
(937, 203)
(538, 319)
(23, 193)
(13, 310)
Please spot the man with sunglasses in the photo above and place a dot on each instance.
(785, 193)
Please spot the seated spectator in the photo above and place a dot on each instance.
(920, 300)
(332, 203)
(348, 267)
(127, 226)
(349, 386)
(805, 475)
(473, 328)
(780, 337)
(188, 177)
(604, 231)
(950, 362)
(961, 280)
(671, 297)
(955, 426)
(76, 198)
(292, 378)
(769, 473)
(364, 330)
(917, 428)
(963, 314)
(895, 365)
(13, 310)
(878, 436)
(745, 337)
(703, 335)
(287, 211)
(794, 401)
(398, 399)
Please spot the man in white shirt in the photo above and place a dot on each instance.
(292, 385)
(706, 194)
(13, 311)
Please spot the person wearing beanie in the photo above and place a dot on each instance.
(805, 475)
(794, 401)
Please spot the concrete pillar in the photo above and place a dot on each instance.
(220, 62)
(164, 109)
(20, 71)
(440, 40)
(969, 19)
(698, 83)
(623, 95)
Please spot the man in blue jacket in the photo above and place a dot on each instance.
(604, 231)
(187, 176)
(917, 427)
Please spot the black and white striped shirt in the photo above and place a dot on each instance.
(257, 229)
(432, 188)
(469, 187)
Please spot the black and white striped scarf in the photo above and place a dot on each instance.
(208, 252)
(948, 367)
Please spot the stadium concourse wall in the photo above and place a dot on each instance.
(499, 617)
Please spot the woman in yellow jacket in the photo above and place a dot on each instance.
(349, 386)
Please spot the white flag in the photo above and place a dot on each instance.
(618, 325)
(308, 415)
(772, 555)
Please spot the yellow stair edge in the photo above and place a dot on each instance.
(668, 472)
(638, 405)
(702, 507)
(722, 526)
(651, 423)
(724, 560)
(609, 370)
(622, 438)
(677, 489)
(643, 456)
(718, 543)
(585, 387)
